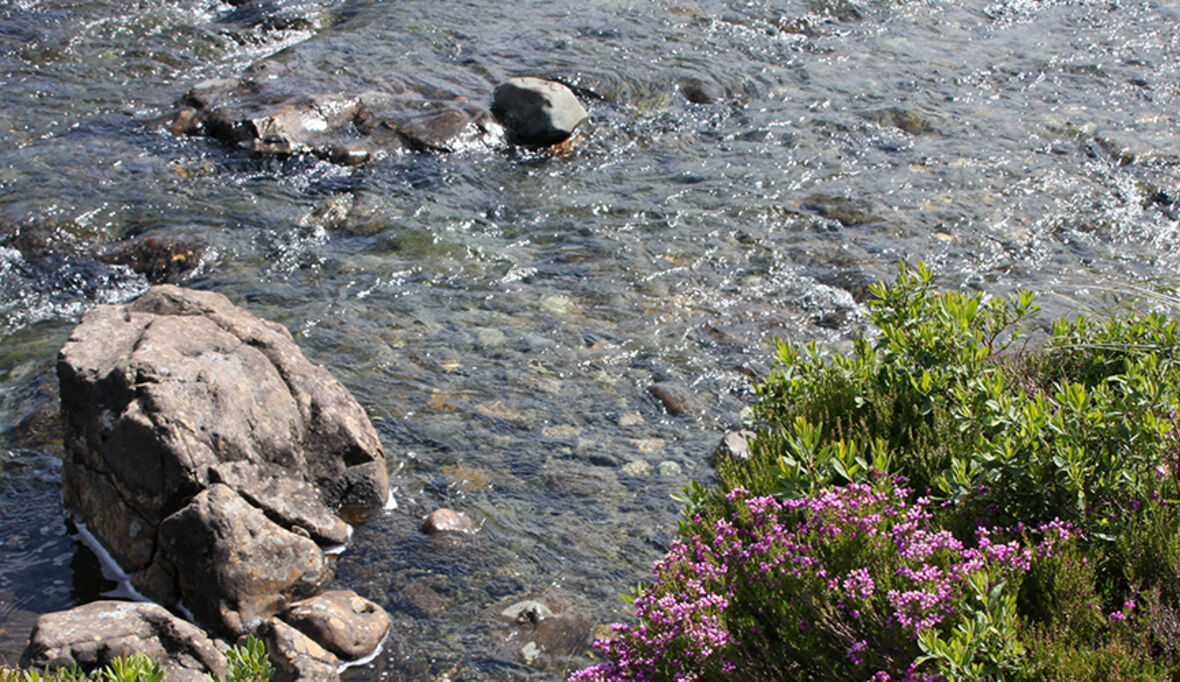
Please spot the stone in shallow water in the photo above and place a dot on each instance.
(447, 521)
(341, 621)
(422, 600)
(537, 112)
(733, 445)
(541, 629)
(699, 91)
(269, 110)
(675, 397)
(158, 258)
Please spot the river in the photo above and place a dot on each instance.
(500, 313)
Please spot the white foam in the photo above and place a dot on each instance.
(391, 503)
(111, 570)
(366, 659)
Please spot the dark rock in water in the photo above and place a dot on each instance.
(544, 628)
(233, 566)
(537, 112)
(295, 656)
(848, 212)
(95, 634)
(159, 259)
(527, 611)
(38, 414)
(698, 91)
(269, 112)
(902, 119)
(341, 621)
(204, 451)
(676, 398)
(447, 521)
(423, 600)
(279, 15)
(16, 622)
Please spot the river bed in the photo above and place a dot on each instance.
(748, 170)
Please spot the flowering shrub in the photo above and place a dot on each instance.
(808, 562)
(851, 583)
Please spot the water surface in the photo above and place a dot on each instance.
(500, 313)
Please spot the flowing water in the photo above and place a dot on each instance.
(500, 313)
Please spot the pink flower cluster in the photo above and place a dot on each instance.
(845, 553)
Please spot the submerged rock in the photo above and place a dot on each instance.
(446, 521)
(95, 634)
(537, 112)
(902, 119)
(699, 91)
(159, 259)
(271, 111)
(844, 210)
(675, 397)
(422, 600)
(544, 629)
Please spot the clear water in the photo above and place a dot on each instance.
(499, 313)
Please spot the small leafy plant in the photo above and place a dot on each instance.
(246, 662)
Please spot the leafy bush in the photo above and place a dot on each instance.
(999, 442)
(1075, 429)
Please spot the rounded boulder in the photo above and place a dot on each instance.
(536, 112)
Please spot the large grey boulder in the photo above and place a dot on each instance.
(207, 454)
(95, 634)
(537, 112)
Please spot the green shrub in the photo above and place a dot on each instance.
(1079, 429)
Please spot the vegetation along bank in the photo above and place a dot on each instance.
(945, 502)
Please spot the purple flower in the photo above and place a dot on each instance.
(859, 557)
